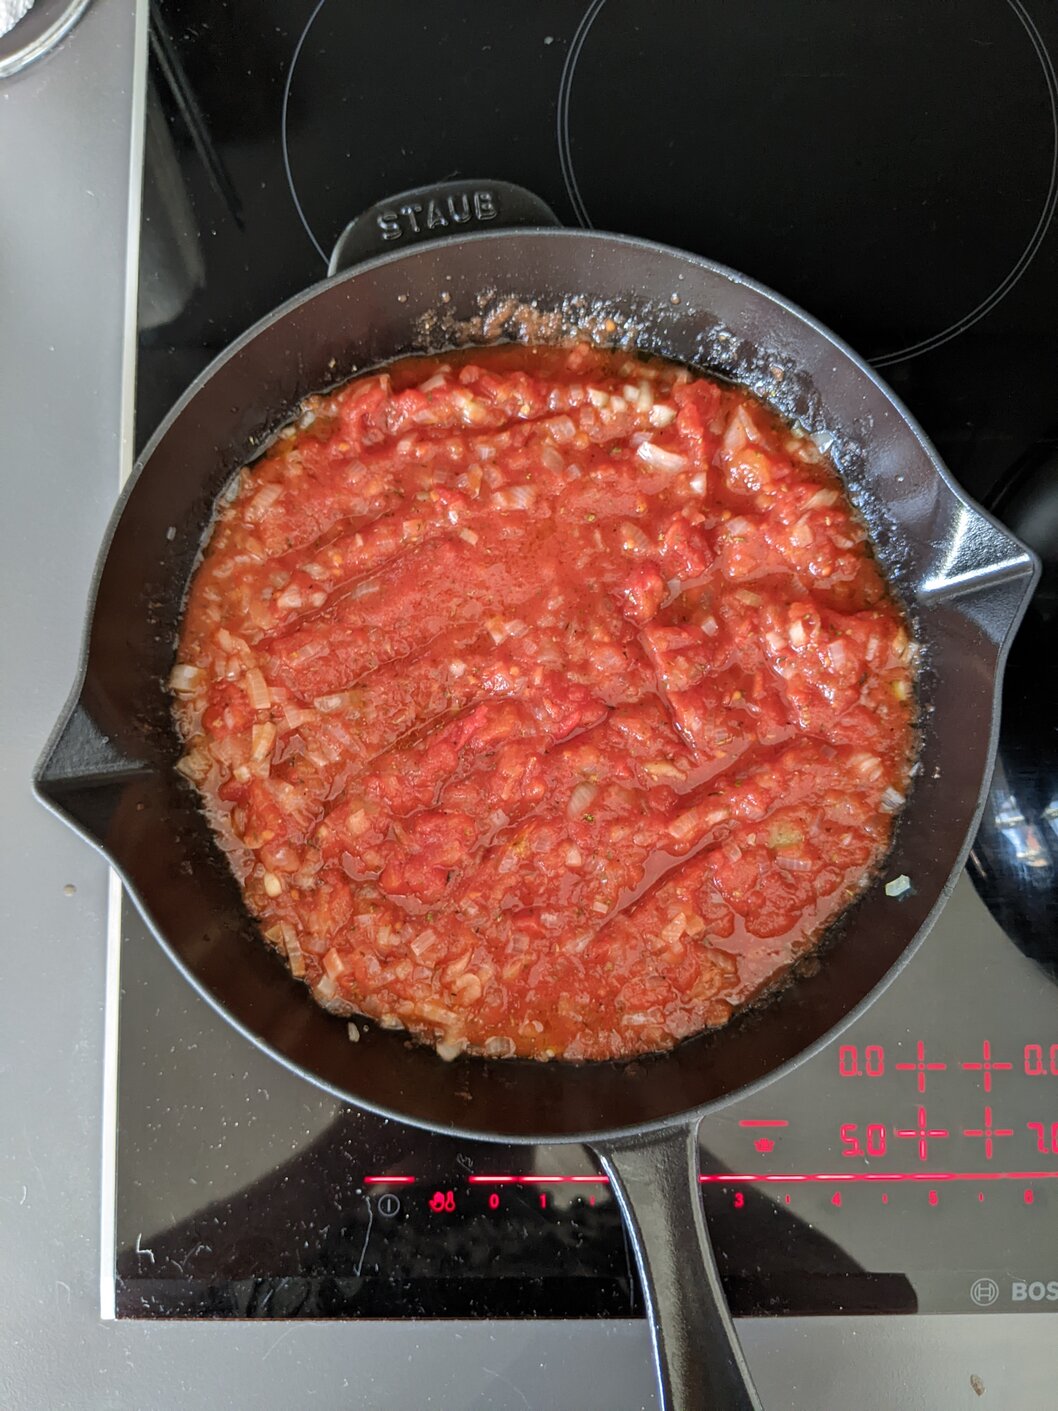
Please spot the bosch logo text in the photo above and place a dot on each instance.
(1036, 1291)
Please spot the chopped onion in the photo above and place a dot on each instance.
(195, 766)
(551, 460)
(257, 690)
(354, 1033)
(457, 668)
(333, 964)
(597, 397)
(581, 799)
(891, 800)
(822, 499)
(700, 483)
(272, 885)
(329, 704)
(867, 766)
(449, 1049)
(424, 942)
(798, 636)
(262, 502)
(898, 886)
(633, 540)
(574, 856)
(684, 825)
(663, 769)
(295, 955)
(836, 652)
(325, 989)
(795, 864)
(289, 599)
(433, 384)
(562, 428)
(514, 497)
(662, 415)
(660, 459)
(709, 626)
(499, 1047)
(231, 643)
(468, 535)
(262, 738)
(468, 988)
(296, 716)
(186, 680)
(801, 535)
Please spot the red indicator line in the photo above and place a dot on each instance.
(722, 1178)
(389, 1180)
(538, 1180)
(762, 1122)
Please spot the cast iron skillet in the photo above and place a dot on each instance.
(108, 768)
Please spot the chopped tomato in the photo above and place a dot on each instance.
(547, 701)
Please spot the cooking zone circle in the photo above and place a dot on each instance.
(729, 134)
(448, 113)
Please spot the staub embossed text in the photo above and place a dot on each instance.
(417, 217)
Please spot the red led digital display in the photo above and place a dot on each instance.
(989, 1132)
(868, 1063)
(1038, 1062)
(782, 1177)
(987, 1066)
(1046, 1141)
(537, 1180)
(873, 1142)
(863, 1141)
(922, 1135)
(920, 1066)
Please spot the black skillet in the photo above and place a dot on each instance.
(108, 768)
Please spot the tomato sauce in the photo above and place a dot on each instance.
(547, 702)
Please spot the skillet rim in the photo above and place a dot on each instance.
(1022, 564)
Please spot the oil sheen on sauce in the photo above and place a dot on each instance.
(546, 701)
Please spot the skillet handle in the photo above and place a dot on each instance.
(437, 212)
(700, 1365)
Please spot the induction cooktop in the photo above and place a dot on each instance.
(893, 170)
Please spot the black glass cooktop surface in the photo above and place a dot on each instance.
(893, 170)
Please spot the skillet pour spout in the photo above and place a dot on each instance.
(108, 769)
